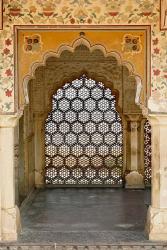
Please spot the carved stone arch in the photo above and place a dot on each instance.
(91, 49)
(68, 64)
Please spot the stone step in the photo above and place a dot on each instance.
(125, 246)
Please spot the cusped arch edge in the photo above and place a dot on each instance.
(71, 48)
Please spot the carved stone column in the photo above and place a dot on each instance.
(10, 218)
(39, 150)
(157, 214)
(133, 155)
(16, 163)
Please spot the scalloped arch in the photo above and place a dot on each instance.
(91, 48)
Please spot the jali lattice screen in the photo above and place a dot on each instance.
(83, 136)
(147, 152)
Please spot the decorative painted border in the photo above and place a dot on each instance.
(1, 14)
(163, 14)
(146, 28)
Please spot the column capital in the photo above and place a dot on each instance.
(157, 105)
(133, 117)
(9, 121)
(158, 119)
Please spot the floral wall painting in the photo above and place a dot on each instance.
(163, 15)
(1, 14)
(131, 44)
(32, 43)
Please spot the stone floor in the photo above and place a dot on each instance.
(85, 216)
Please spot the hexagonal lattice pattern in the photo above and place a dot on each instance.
(83, 136)
(147, 152)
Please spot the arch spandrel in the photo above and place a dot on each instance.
(70, 62)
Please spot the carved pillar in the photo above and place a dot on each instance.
(29, 151)
(16, 163)
(22, 181)
(39, 150)
(134, 151)
(10, 218)
(157, 214)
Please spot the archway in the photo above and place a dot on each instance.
(68, 65)
(59, 73)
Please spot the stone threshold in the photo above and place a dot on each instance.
(116, 246)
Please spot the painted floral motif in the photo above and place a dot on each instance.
(82, 11)
(131, 44)
(32, 43)
(54, 12)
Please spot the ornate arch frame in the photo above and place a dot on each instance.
(91, 47)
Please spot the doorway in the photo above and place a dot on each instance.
(82, 130)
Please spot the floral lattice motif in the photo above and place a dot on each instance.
(83, 146)
(147, 152)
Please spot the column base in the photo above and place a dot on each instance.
(39, 179)
(156, 225)
(11, 225)
(134, 180)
